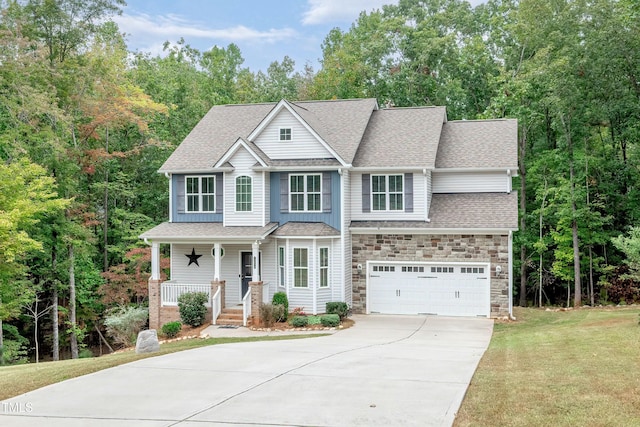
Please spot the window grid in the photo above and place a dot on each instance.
(384, 268)
(324, 267)
(243, 194)
(305, 193)
(472, 270)
(300, 267)
(200, 193)
(387, 192)
(281, 266)
(285, 134)
(442, 269)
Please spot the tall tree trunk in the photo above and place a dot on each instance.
(105, 226)
(55, 336)
(523, 213)
(72, 305)
(577, 292)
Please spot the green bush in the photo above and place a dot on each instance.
(313, 320)
(171, 329)
(85, 353)
(123, 323)
(279, 313)
(281, 298)
(299, 321)
(331, 320)
(192, 309)
(267, 318)
(339, 308)
(15, 349)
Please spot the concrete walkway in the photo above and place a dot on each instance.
(386, 370)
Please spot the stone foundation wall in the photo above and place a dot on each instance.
(433, 248)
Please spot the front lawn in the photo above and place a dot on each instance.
(19, 379)
(574, 368)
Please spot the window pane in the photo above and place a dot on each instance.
(297, 183)
(313, 202)
(395, 202)
(192, 203)
(297, 202)
(243, 194)
(208, 203)
(300, 257)
(379, 202)
(378, 183)
(192, 185)
(395, 183)
(207, 185)
(313, 183)
(285, 134)
(324, 257)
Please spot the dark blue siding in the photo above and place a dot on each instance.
(331, 218)
(178, 192)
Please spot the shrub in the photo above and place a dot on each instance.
(171, 329)
(330, 320)
(192, 309)
(298, 311)
(267, 317)
(15, 349)
(279, 313)
(313, 320)
(299, 321)
(339, 308)
(281, 298)
(123, 323)
(85, 353)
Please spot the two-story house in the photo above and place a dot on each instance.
(391, 210)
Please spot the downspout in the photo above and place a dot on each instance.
(511, 317)
(342, 236)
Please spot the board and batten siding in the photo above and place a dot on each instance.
(178, 203)
(182, 272)
(303, 143)
(278, 214)
(243, 161)
(419, 201)
(471, 182)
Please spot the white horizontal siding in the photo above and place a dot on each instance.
(419, 202)
(269, 269)
(182, 272)
(470, 182)
(303, 144)
(243, 162)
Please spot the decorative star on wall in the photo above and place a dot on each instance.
(193, 258)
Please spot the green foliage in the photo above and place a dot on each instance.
(125, 322)
(279, 313)
(171, 329)
(85, 353)
(313, 320)
(299, 321)
(281, 299)
(340, 308)
(16, 347)
(267, 316)
(330, 320)
(192, 308)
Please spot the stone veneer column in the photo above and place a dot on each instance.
(256, 300)
(155, 301)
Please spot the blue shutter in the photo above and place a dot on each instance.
(180, 196)
(408, 192)
(284, 192)
(366, 192)
(326, 191)
(219, 192)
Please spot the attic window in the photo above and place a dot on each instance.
(285, 134)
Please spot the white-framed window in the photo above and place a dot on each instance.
(305, 193)
(300, 267)
(323, 263)
(285, 134)
(281, 266)
(243, 194)
(200, 192)
(387, 192)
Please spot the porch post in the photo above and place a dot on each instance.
(216, 262)
(255, 255)
(155, 261)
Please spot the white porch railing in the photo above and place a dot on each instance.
(216, 303)
(246, 307)
(169, 292)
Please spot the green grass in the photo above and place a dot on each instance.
(575, 368)
(19, 379)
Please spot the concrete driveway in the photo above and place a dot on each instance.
(387, 370)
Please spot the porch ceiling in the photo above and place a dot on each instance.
(175, 232)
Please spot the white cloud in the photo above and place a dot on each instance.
(172, 27)
(328, 11)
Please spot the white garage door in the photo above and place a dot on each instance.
(414, 288)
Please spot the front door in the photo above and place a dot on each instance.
(246, 271)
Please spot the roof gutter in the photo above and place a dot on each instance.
(196, 171)
(439, 231)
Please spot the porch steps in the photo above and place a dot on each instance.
(230, 316)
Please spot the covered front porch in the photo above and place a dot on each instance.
(226, 263)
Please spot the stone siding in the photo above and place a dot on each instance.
(433, 248)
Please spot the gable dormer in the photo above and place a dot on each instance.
(285, 134)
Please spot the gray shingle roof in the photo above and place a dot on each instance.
(457, 211)
(401, 137)
(478, 144)
(173, 231)
(297, 229)
(340, 123)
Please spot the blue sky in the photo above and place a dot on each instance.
(264, 30)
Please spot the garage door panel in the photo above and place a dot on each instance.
(445, 289)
